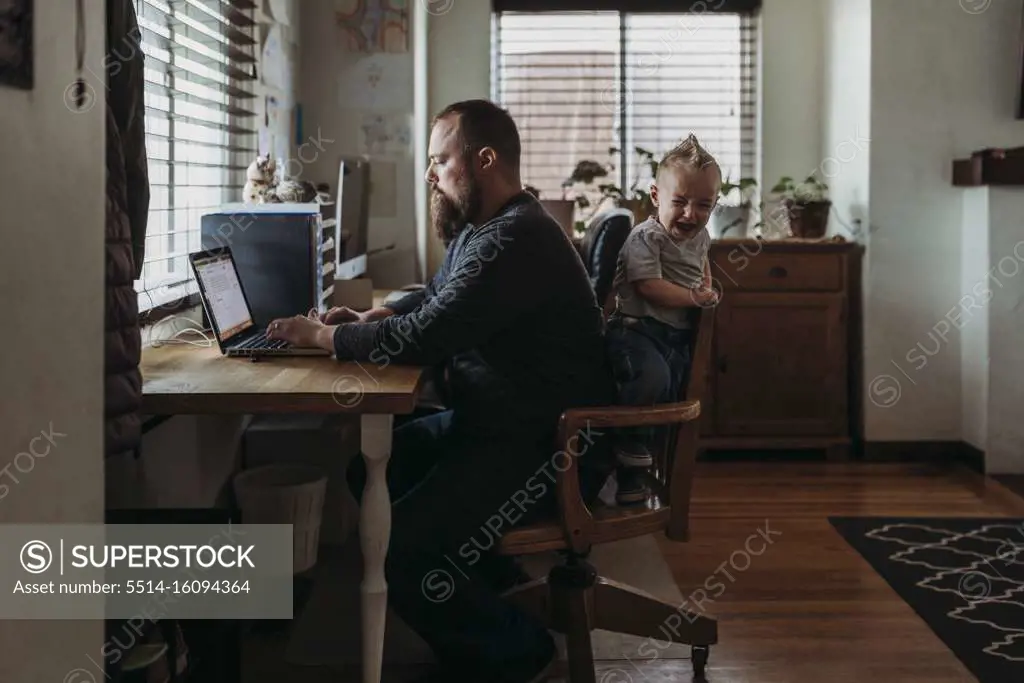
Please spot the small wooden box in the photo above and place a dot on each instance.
(357, 294)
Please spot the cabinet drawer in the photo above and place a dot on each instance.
(749, 270)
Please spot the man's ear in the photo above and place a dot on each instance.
(487, 158)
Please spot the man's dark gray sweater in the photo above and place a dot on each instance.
(510, 316)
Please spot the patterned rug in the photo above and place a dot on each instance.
(963, 576)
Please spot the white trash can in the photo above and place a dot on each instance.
(286, 494)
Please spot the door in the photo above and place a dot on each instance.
(780, 365)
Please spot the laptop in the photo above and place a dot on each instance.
(228, 309)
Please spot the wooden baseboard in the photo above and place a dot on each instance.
(768, 443)
(765, 448)
(1014, 482)
(973, 457)
(775, 448)
(925, 451)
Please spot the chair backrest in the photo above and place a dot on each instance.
(675, 464)
(603, 241)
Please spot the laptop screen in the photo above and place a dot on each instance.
(224, 294)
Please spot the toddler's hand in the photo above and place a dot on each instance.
(706, 297)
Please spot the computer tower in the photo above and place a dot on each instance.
(285, 254)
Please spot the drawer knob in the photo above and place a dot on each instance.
(777, 271)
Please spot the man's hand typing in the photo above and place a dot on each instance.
(303, 331)
(344, 314)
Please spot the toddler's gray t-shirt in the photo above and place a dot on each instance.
(651, 253)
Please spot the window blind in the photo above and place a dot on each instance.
(201, 128)
(581, 83)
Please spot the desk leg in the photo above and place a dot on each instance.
(374, 534)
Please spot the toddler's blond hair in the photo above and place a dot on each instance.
(689, 154)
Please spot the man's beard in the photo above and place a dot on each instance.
(449, 216)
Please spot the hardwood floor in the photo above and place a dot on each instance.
(807, 606)
(795, 603)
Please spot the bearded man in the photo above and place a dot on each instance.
(512, 319)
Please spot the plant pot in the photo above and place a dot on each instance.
(563, 211)
(808, 220)
(642, 209)
(729, 221)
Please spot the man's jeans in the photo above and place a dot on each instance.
(651, 361)
(448, 490)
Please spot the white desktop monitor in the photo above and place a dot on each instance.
(352, 212)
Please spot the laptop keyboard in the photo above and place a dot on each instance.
(261, 343)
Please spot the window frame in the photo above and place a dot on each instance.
(200, 57)
(623, 132)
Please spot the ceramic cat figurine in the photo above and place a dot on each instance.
(263, 187)
(260, 181)
(300, 191)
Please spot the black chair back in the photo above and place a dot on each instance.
(602, 243)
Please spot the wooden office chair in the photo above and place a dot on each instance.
(573, 599)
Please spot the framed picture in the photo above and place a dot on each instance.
(16, 43)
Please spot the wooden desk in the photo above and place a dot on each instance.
(190, 380)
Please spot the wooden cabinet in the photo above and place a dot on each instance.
(787, 334)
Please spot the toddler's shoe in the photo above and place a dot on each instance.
(633, 454)
(632, 488)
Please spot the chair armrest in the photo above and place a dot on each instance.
(574, 515)
(575, 419)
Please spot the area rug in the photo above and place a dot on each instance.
(327, 632)
(963, 576)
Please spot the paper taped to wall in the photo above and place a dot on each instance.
(275, 62)
(279, 10)
(388, 134)
(376, 82)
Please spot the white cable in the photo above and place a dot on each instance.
(173, 339)
(172, 318)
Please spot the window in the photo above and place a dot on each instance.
(581, 82)
(201, 128)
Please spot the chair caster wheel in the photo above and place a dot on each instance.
(699, 654)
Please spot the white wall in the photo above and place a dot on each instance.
(846, 112)
(329, 111)
(51, 273)
(943, 84)
(458, 68)
(792, 74)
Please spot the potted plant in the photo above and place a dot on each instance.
(637, 199)
(732, 214)
(806, 206)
